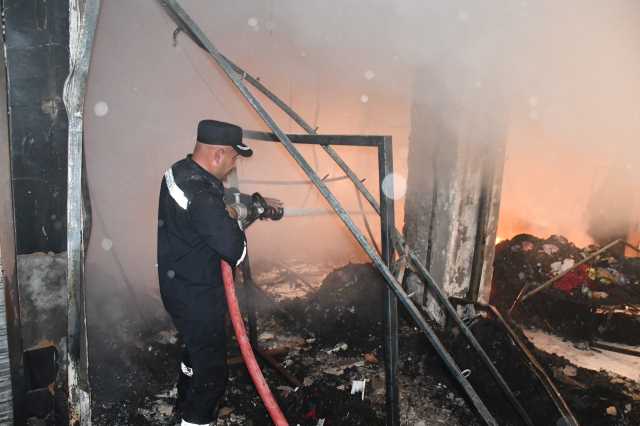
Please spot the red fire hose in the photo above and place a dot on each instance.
(245, 348)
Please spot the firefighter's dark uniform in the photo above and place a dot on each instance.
(194, 233)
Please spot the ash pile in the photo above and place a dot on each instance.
(348, 306)
(596, 300)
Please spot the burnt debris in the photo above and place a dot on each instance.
(598, 300)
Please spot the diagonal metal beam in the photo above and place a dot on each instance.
(413, 311)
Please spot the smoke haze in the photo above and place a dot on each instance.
(563, 76)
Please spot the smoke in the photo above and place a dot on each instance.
(572, 144)
(561, 77)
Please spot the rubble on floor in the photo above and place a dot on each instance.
(597, 300)
(139, 388)
(295, 278)
(582, 355)
(593, 304)
(347, 307)
(333, 345)
(596, 396)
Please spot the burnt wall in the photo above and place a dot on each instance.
(454, 180)
(37, 55)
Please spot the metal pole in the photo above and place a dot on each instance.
(613, 348)
(387, 221)
(237, 80)
(312, 211)
(83, 17)
(286, 182)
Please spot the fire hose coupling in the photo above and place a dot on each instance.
(248, 208)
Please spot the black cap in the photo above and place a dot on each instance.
(212, 132)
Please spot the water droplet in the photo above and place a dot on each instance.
(171, 273)
(369, 74)
(160, 223)
(53, 217)
(364, 99)
(533, 101)
(100, 109)
(533, 114)
(253, 22)
(107, 244)
(394, 186)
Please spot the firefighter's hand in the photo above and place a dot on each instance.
(233, 213)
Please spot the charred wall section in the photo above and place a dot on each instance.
(37, 50)
(455, 171)
(33, 165)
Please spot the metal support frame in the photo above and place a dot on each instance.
(614, 348)
(387, 223)
(83, 19)
(384, 147)
(238, 78)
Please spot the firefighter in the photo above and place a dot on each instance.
(195, 231)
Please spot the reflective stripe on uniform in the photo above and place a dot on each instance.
(187, 371)
(186, 423)
(174, 190)
(244, 254)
